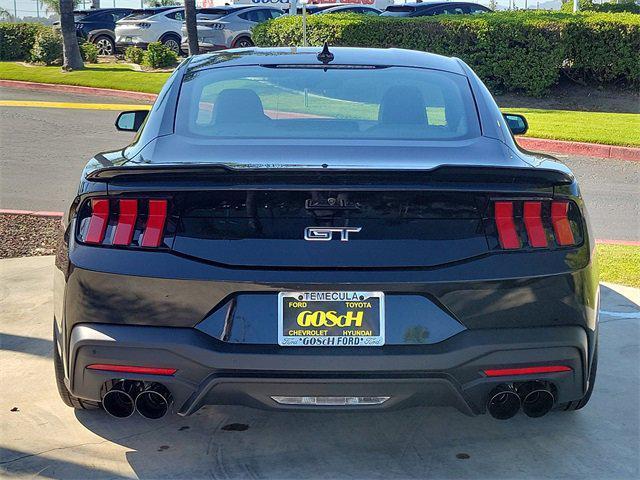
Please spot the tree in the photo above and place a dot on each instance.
(54, 5)
(72, 60)
(192, 29)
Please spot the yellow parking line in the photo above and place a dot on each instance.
(80, 106)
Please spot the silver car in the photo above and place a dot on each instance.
(228, 26)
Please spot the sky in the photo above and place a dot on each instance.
(29, 8)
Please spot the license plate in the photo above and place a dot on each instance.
(331, 319)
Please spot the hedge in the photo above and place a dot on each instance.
(17, 39)
(510, 51)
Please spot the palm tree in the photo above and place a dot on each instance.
(72, 60)
(192, 29)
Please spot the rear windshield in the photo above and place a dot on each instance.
(336, 103)
(142, 14)
(398, 10)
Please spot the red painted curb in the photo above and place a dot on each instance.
(52, 87)
(580, 148)
(36, 213)
(530, 143)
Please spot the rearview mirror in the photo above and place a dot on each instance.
(131, 121)
(517, 123)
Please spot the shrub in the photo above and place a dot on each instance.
(510, 51)
(159, 56)
(17, 39)
(47, 48)
(611, 7)
(89, 52)
(602, 48)
(134, 55)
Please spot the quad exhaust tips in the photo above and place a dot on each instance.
(154, 401)
(124, 397)
(119, 400)
(535, 398)
(503, 402)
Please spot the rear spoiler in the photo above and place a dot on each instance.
(505, 176)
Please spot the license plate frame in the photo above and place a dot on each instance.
(331, 319)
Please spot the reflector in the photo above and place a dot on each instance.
(505, 372)
(132, 369)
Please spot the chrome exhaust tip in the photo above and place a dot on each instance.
(154, 401)
(537, 399)
(118, 401)
(503, 402)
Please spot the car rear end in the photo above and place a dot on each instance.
(330, 272)
(214, 26)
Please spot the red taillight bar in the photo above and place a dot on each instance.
(132, 369)
(506, 227)
(153, 232)
(561, 225)
(533, 224)
(126, 222)
(507, 372)
(98, 221)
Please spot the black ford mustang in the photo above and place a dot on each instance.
(325, 229)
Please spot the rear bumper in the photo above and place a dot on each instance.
(210, 372)
(122, 46)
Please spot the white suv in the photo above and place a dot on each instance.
(161, 24)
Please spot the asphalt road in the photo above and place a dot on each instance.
(45, 149)
(41, 437)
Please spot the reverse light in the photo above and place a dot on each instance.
(105, 367)
(508, 372)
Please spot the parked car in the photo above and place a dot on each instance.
(423, 9)
(161, 24)
(296, 228)
(363, 9)
(98, 26)
(229, 26)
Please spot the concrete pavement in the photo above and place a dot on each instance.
(42, 437)
(45, 150)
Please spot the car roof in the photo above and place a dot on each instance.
(99, 10)
(429, 4)
(342, 56)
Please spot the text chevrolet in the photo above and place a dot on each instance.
(327, 229)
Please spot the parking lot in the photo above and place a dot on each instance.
(44, 152)
(41, 436)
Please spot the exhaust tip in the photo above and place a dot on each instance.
(118, 401)
(503, 402)
(153, 403)
(537, 399)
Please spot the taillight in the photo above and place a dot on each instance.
(127, 222)
(536, 224)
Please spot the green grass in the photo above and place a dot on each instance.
(594, 127)
(118, 77)
(619, 264)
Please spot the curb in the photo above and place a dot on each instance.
(581, 148)
(536, 144)
(52, 87)
(39, 213)
(33, 213)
